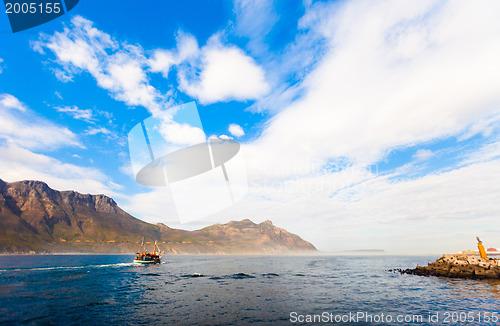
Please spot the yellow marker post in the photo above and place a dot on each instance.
(482, 252)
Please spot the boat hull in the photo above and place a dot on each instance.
(146, 262)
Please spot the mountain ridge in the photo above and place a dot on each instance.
(35, 218)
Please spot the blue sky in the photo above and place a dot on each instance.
(361, 124)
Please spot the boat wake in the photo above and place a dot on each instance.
(65, 267)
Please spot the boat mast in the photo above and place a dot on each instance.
(142, 245)
(154, 250)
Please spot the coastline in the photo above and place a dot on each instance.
(168, 254)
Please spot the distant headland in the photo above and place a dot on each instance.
(37, 219)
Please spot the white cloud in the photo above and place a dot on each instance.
(8, 101)
(17, 163)
(440, 212)
(21, 126)
(415, 76)
(488, 152)
(22, 131)
(255, 19)
(76, 113)
(214, 73)
(288, 66)
(423, 154)
(95, 131)
(154, 206)
(358, 209)
(224, 137)
(1, 65)
(126, 169)
(227, 73)
(162, 60)
(181, 133)
(372, 78)
(236, 130)
(117, 66)
(486, 127)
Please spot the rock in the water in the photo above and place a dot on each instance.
(460, 265)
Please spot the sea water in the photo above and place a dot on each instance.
(228, 290)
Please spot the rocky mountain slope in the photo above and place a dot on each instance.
(35, 218)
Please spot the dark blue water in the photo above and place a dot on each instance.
(227, 290)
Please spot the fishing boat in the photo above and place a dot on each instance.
(144, 257)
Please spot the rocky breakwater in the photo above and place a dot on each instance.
(459, 265)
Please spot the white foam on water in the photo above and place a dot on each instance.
(66, 267)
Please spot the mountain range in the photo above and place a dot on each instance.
(37, 219)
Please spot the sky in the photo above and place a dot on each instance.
(363, 125)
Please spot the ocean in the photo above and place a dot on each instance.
(235, 290)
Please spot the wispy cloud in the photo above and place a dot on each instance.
(76, 113)
(8, 101)
(19, 125)
(214, 73)
(354, 210)
(383, 85)
(423, 154)
(17, 163)
(154, 206)
(378, 88)
(254, 20)
(22, 132)
(163, 60)
(118, 67)
(99, 130)
(360, 80)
